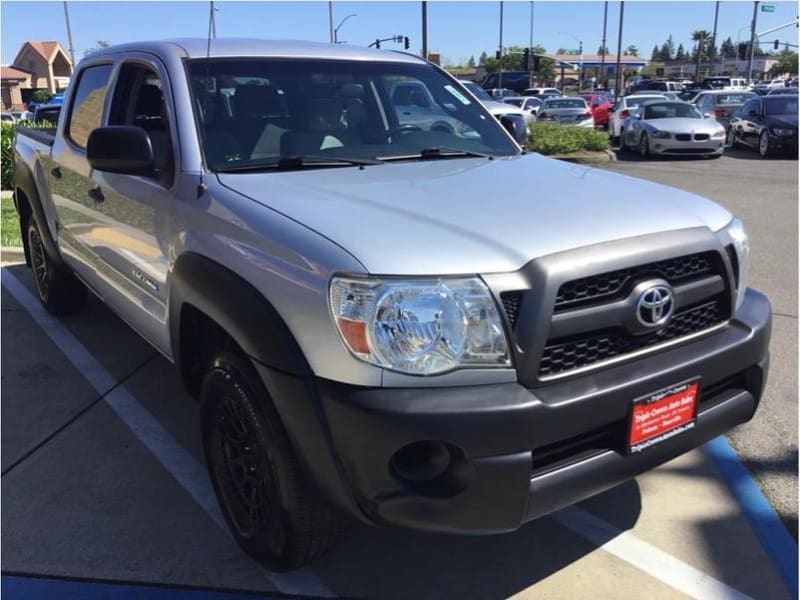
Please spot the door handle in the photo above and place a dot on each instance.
(56, 172)
(96, 194)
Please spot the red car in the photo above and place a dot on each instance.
(600, 107)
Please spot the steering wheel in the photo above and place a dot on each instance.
(400, 130)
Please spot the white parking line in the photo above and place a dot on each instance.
(184, 467)
(656, 563)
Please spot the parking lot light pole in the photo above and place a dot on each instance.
(580, 51)
(69, 36)
(425, 29)
(500, 62)
(603, 47)
(336, 31)
(752, 42)
(618, 75)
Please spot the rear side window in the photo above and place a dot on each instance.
(87, 104)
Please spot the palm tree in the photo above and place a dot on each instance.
(701, 37)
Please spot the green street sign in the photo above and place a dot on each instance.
(770, 8)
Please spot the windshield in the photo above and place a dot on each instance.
(634, 101)
(781, 106)
(477, 91)
(733, 99)
(671, 110)
(253, 113)
(514, 101)
(564, 103)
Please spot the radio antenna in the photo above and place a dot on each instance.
(212, 30)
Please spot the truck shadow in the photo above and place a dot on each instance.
(388, 563)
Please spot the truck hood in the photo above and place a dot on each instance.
(472, 215)
(502, 108)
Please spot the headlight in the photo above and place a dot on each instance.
(419, 326)
(718, 135)
(738, 237)
(660, 134)
(780, 131)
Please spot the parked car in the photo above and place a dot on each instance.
(600, 107)
(654, 85)
(689, 94)
(374, 319)
(542, 91)
(498, 109)
(622, 111)
(767, 124)
(566, 111)
(761, 88)
(500, 93)
(7, 117)
(675, 96)
(46, 113)
(530, 106)
(513, 80)
(669, 127)
(792, 91)
(720, 105)
(22, 115)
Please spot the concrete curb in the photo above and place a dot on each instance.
(12, 254)
(593, 158)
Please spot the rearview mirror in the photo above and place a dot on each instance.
(120, 149)
(753, 113)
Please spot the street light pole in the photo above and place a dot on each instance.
(69, 35)
(618, 74)
(714, 35)
(530, 38)
(500, 62)
(580, 52)
(752, 41)
(425, 29)
(603, 47)
(330, 19)
(336, 31)
(213, 21)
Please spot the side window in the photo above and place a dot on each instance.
(87, 104)
(139, 101)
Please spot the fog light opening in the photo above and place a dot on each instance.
(432, 468)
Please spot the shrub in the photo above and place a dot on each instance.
(40, 96)
(550, 138)
(7, 149)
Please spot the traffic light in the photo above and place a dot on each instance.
(497, 55)
(536, 63)
(405, 42)
(526, 59)
(777, 42)
(742, 51)
(377, 43)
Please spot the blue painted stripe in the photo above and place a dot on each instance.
(776, 540)
(35, 588)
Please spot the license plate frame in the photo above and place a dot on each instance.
(663, 414)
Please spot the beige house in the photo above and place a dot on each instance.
(38, 66)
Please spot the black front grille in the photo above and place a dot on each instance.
(614, 284)
(511, 302)
(683, 137)
(701, 137)
(594, 347)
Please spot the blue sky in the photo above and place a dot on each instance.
(456, 29)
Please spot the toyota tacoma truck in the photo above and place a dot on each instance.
(417, 327)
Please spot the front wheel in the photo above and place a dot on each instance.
(763, 145)
(270, 505)
(59, 291)
(644, 146)
(730, 138)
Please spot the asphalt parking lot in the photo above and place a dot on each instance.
(103, 479)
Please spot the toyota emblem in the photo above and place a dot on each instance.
(655, 306)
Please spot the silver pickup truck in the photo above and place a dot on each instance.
(417, 327)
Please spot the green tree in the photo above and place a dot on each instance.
(702, 38)
(680, 53)
(100, 45)
(631, 51)
(656, 55)
(667, 49)
(602, 49)
(482, 58)
(787, 63)
(727, 49)
(471, 62)
(514, 62)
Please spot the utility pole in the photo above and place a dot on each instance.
(425, 29)
(500, 62)
(603, 48)
(714, 35)
(752, 41)
(69, 35)
(530, 38)
(213, 21)
(330, 18)
(619, 78)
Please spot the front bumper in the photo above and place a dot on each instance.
(673, 146)
(787, 143)
(520, 453)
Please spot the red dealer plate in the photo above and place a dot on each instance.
(662, 415)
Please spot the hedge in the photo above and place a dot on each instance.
(7, 149)
(551, 138)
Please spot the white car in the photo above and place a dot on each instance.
(530, 105)
(623, 108)
(566, 111)
(542, 91)
(498, 109)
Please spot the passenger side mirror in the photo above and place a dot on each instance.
(516, 127)
(707, 115)
(120, 149)
(753, 113)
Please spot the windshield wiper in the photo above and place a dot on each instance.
(300, 161)
(441, 152)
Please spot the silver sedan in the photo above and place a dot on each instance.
(677, 128)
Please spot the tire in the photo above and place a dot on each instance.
(59, 291)
(730, 139)
(644, 146)
(763, 145)
(249, 455)
(714, 156)
(623, 148)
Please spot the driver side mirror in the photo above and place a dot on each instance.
(708, 115)
(120, 149)
(753, 113)
(516, 127)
